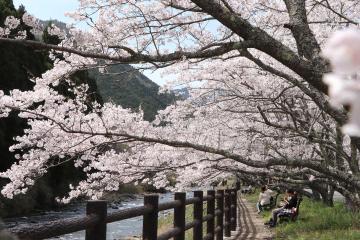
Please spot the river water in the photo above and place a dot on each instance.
(117, 230)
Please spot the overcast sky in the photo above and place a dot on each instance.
(55, 9)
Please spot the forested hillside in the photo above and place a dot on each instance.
(124, 85)
(17, 65)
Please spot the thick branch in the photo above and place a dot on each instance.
(305, 40)
(265, 43)
(205, 52)
(320, 100)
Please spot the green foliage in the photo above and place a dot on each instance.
(253, 197)
(166, 222)
(329, 235)
(6, 9)
(36, 198)
(318, 221)
(124, 85)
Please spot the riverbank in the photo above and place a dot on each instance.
(27, 205)
(125, 229)
(317, 221)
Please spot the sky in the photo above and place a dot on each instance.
(49, 9)
(55, 9)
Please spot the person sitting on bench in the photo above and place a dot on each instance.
(287, 208)
(264, 198)
(247, 189)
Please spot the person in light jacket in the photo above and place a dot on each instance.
(264, 198)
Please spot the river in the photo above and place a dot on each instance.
(117, 230)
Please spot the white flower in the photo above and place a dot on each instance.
(353, 126)
(4, 31)
(29, 20)
(343, 51)
(11, 22)
(21, 35)
(342, 89)
(55, 31)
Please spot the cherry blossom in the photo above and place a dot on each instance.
(55, 31)
(257, 109)
(343, 51)
(344, 87)
(11, 22)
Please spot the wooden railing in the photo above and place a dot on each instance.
(97, 217)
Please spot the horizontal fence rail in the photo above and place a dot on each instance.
(220, 206)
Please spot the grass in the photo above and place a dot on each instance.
(317, 221)
(166, 222)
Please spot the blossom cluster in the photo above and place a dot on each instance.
(11, 23)
(343, 51)
(56, 31)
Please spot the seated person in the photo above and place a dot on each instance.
(246, 189)
(264, 198)
(284, 201)
(290, 204)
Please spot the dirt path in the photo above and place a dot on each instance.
(250, 224)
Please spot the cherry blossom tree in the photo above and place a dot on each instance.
(258, 103)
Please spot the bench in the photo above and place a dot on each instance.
(291, 215)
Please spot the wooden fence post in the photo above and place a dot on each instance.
(233, 209)
(150, 222)
(238, 185)
(227, 210)
(179, 215)
(198, 216)
(210, 210)
(220, 216)
(97, 232)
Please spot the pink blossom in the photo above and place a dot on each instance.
(11, 22)
(343, 51)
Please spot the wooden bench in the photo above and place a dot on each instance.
(291, 215)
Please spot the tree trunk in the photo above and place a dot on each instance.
(315, 194)
(327, 196)
(352, 205)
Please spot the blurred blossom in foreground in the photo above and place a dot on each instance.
(311, 178)
(343, 51)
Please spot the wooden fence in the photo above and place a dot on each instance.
(220, 219)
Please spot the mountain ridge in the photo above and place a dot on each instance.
(124, 85)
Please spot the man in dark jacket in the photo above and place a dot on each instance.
(290, 203)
